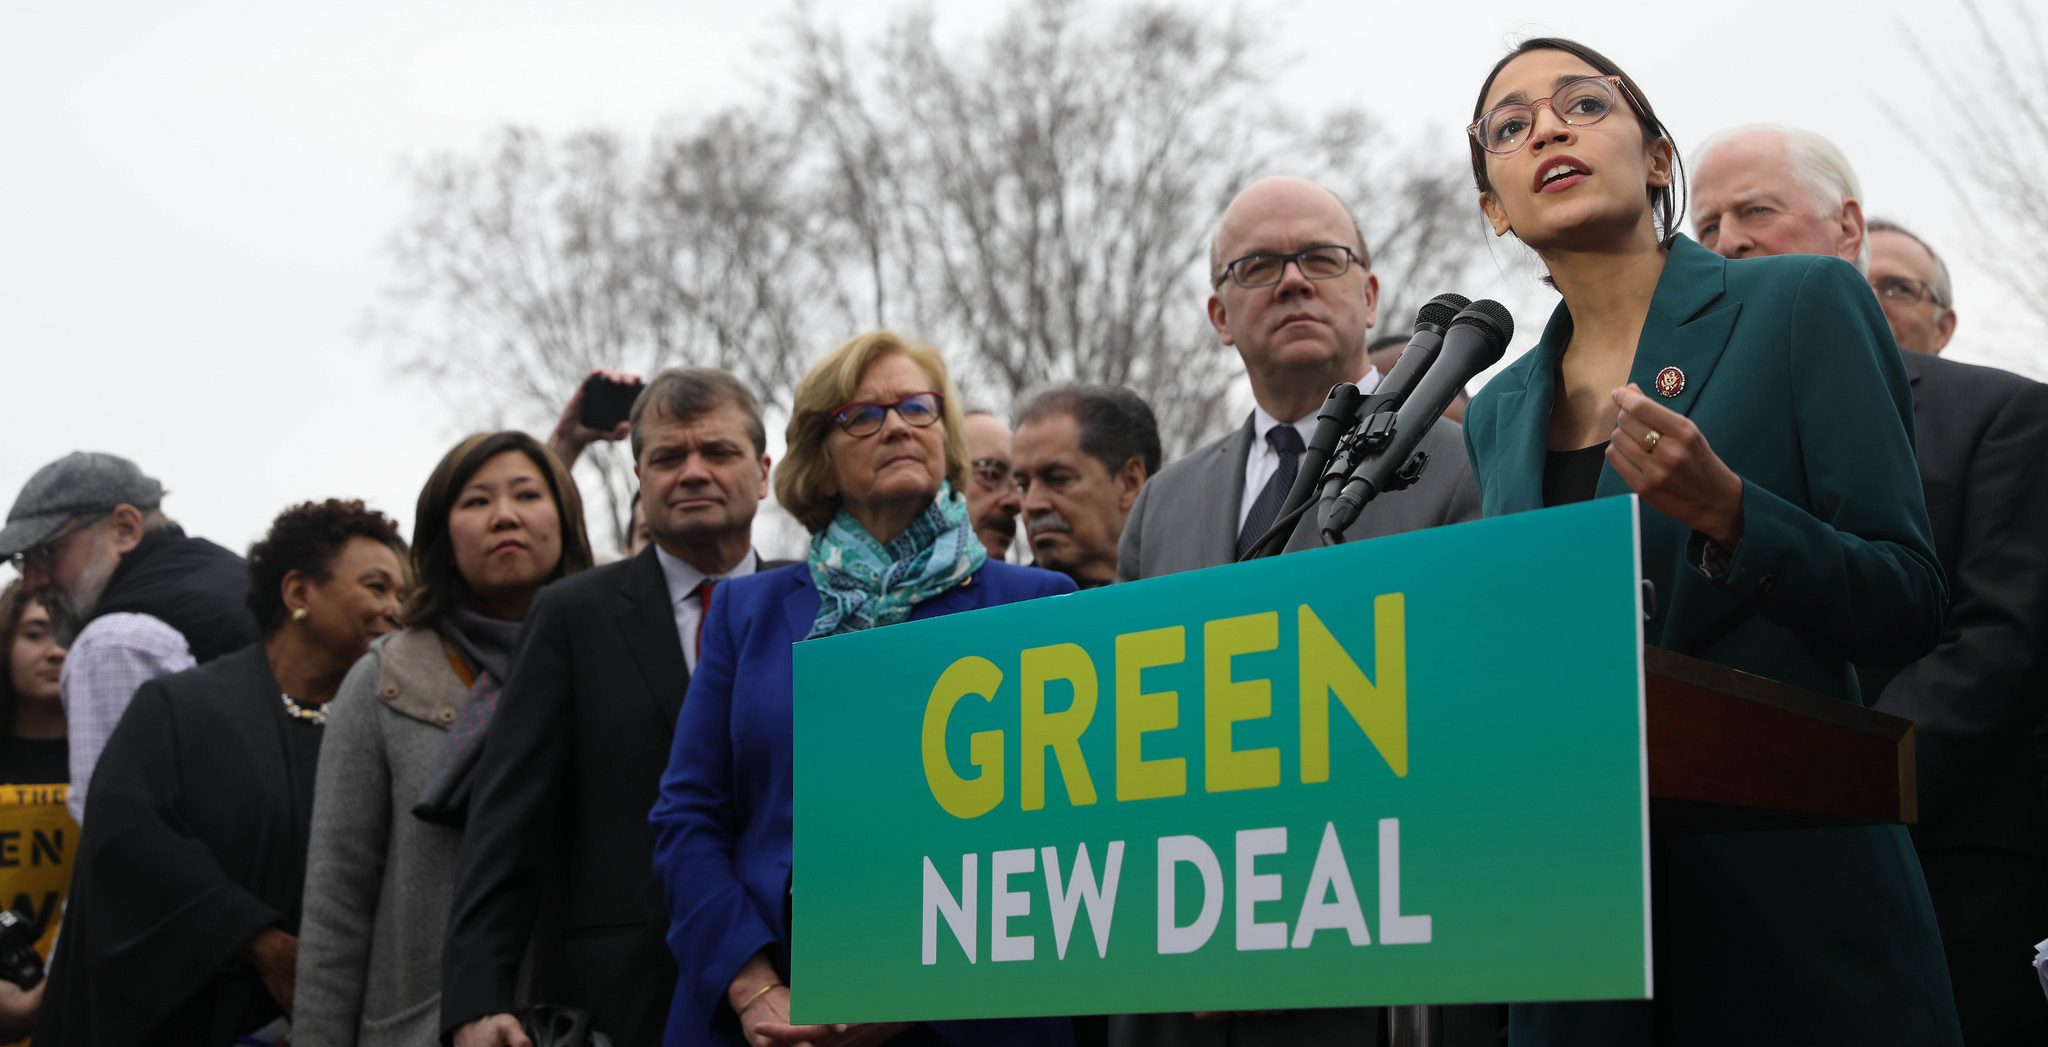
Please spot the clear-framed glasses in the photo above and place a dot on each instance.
(44, 553)
(1900, 290)
(1580, 103)
(993, 474)
(865, 419)
(1265, 270)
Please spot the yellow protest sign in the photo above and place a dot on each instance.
(37, 840)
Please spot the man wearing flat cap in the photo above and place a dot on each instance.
(126, 590)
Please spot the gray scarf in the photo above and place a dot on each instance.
(486, 643)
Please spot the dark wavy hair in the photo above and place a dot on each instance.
(1667, 203)
(14, 603)
(306, 538)
(439, 582)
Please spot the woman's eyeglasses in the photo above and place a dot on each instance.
(865, 419)
(1580, 103)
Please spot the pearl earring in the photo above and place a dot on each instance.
(299, 614)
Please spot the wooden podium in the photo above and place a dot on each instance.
(1734, 752)
(1730, 752)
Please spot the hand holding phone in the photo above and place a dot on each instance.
(596, 411)
(608, 399)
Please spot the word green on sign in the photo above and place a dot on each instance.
(1409, 770)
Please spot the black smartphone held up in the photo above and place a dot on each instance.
(607, 403)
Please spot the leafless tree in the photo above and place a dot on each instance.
(1995, 95)
(523, 268)
(1042, 202)
(1037, 202)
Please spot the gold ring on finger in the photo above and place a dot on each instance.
(1650, 440)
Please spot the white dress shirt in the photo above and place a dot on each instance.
(113, 655)
(683, 580)
(1263, 461)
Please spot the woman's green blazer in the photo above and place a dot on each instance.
(1809, 936)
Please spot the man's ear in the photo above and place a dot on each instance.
(1852, 231)
(1128, 481)
(1372, 299)
(1219, 318)
(125, 528)
(766, 470)
(1944, 329)
(1496, 215)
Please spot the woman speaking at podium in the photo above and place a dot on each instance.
(1760, 411)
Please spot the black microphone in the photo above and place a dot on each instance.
(1430, 323)
(1397, 384)
(1346, 406)
(1475, 341)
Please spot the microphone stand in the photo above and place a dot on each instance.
(1346, 413)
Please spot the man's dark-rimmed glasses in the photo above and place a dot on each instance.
(1264, 270)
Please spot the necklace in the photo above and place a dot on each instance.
(317, 715)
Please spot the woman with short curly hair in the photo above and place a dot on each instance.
(184, 906)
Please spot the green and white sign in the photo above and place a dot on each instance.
(1409, 770)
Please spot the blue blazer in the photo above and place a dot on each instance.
(722, 823)
(1811, 936)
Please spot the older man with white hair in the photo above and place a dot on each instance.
(1763, 190)
(1982, 444)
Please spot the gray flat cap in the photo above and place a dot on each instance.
(79, 483)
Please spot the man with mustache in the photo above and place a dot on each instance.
(127, 591)
(991, 492)
(1982, 445)
(1294, 294)
(1083, 454)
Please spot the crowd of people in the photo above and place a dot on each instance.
(482, 789)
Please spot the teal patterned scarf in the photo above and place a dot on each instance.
(863, 583)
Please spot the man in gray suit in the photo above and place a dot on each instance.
(1295, 294)
(1299, 331)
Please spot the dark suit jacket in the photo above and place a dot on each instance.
(557, 848)
(1185, 518)
(1797, 936)
(1983, 451)
(724, 818)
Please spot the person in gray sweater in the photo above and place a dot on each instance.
(499, 518)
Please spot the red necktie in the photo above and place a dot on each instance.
(703, 591)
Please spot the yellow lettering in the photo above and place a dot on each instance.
(1137, 713)
(1061, 731)
(963, 797)
(1381, 710)
(1228, 701)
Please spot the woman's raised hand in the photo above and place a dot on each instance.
(1665, 459)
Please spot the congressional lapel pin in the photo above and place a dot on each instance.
(1670, 382)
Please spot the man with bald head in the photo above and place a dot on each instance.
(1982, 445)
(1294, 294)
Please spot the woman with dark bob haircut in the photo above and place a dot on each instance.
(184, 906)
(1759, 410)
(498, 519)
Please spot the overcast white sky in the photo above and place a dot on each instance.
(197, 196)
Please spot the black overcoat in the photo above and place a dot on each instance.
(199, 814)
